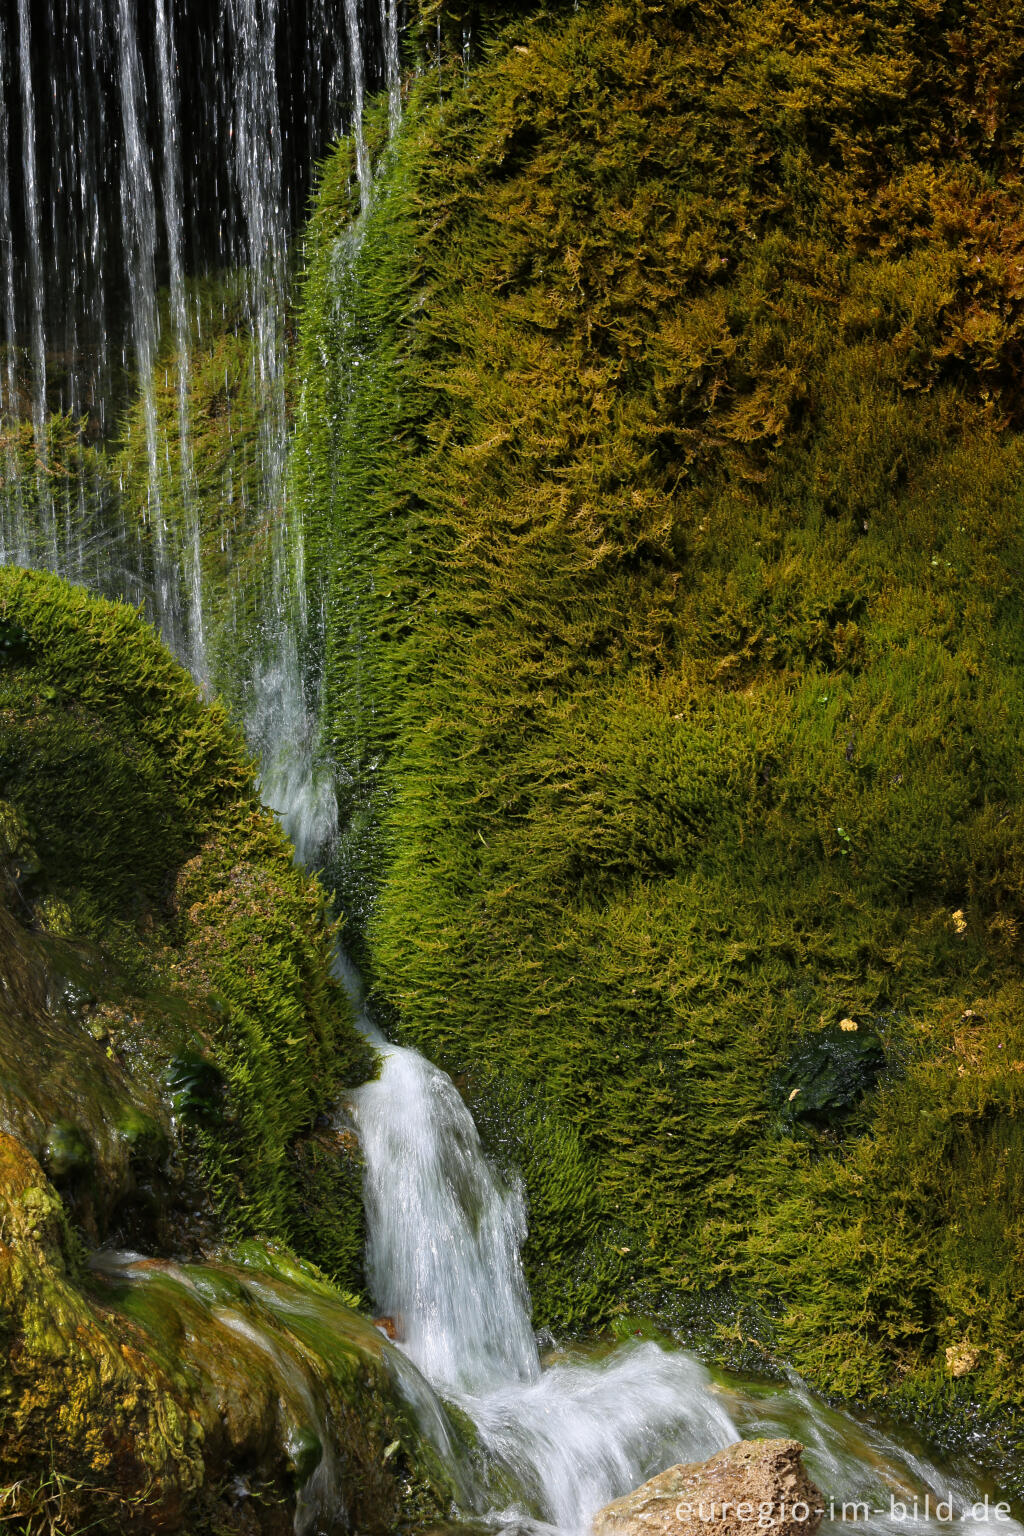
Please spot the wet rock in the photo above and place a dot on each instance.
(305, 1452)
(962, 1358)
(828, 1074)
(754, 1484)
(391, 1327)
(160, 1382)
(66, 1151)
(347, 1141)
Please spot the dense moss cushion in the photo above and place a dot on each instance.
(661, 460)
(171, 1036)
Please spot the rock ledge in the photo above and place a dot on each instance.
(754, 1485)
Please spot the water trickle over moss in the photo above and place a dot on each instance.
(663, 445)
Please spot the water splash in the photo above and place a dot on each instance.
(558, 1442)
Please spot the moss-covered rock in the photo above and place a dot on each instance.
(197, 938)
(148, 1395)
(663, 461)
(172, 1042)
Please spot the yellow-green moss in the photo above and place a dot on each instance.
(150, 836)
(668, 526)
(142, 1397)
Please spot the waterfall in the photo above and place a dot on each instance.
(559, 1440)
(175, 222)
(145, 153)
(389, 19)
(38, 340)
(356, 55)
(140, 263)
(443, 1258)
(11, 537)
(8, 398)
(214, 129)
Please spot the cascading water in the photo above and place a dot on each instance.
(38, 342)
(212, 133)
(167, 71)
(215, 132)
(140, 225)
(561, 1439)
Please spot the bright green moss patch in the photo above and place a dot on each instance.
(258, 943)
(664, 460)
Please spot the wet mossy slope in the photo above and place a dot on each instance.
(662, 462)
(148, 840)
(171, 1036)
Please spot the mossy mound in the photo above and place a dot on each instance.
(223, 1397)
(668, 526)
(139, 800)
(172, 1041)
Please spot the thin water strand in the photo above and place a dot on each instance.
(35, 257)
(358, 83)
(174, 222)
(140, 254)
(393, 63)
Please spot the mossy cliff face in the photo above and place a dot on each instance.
(171, 1037)
(669, 530)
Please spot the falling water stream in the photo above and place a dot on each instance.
(564, 1437)
(203, 186)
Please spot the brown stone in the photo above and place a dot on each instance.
(391, 1326)
(754, 1485)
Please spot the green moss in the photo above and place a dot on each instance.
(211, 489)
(58, 493)
(257, 941)
(142, 807)
(142, 1397)
(173, 1071)
(664, 460)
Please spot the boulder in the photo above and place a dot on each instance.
(754, 1485)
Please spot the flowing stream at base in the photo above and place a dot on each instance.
(560, 1439)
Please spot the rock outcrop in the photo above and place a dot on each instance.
(752, 1485)
(170, 1037)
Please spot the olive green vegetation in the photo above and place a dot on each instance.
(138, 802)
(663, 474)
(211, 481)
(170, 1035)
(216, 1398)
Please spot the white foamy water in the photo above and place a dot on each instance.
(443, 1260)
(445, 1231)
